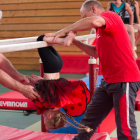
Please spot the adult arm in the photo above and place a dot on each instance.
(88, 49)
(12, 84)
(128, 9)
(7, 67)
(108, 6)
(137, 12)
(81, 25)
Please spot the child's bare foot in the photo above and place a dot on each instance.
(50, 42)
(68, 40)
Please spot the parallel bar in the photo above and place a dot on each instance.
(23, 46)
(85, 37)
(18, 40)
(33, 39)
(0, 14)
(92, 75)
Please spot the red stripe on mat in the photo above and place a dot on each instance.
(8, 133)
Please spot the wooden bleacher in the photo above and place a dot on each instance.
(26, 18)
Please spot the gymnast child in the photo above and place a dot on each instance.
(58, 92)
(120, 7)
(134, 5)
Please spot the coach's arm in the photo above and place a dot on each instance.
(9, 75)
(12, 84)
(88, 49)
(8, 68)
(81, 25)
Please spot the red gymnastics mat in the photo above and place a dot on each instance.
(75, 64)
(79, 64)
(15, 100)
(8, 133)
(137, 101)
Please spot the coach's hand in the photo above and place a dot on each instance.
(31, 80)
(28, 92)
(60, 34)
(36, 78)
(50, 34)
(24, 79)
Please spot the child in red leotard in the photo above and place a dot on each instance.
(58, 92)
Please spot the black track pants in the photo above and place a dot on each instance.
(121, 96)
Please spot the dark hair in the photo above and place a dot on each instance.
(87, 4)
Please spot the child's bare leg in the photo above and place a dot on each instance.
(48, 56)
(68, 40)
(137, 26)
(137, 37)
(130, 31)
(49, 40)
(63, 41)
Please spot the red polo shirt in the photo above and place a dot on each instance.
(115, 51)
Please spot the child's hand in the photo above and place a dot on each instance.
(60, 34)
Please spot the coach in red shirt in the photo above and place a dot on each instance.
(121, 75)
